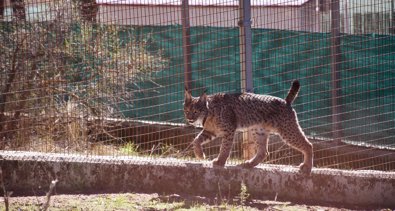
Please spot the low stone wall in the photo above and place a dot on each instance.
(326, 153)
(27, 173)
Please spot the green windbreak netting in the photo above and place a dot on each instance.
(367, 76)
(215, 67)
(367, 73)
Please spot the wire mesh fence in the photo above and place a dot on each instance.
(107, 77)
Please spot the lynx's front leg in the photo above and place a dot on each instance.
(203, 136)
(224, 151)
(227, 126)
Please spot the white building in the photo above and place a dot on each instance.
(301, 15)
(367, 16)
(357, 16)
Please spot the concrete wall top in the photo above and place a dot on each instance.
(28, 172)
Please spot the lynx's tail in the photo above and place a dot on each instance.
(293, 92)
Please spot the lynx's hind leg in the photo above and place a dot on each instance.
(261, 138)
(293, 135)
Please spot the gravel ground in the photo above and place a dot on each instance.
(138, 201)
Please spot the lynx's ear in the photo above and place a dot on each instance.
(203, 97)
(187, 96)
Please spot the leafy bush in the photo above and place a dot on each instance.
(59, 74)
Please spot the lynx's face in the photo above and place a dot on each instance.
(195, 109)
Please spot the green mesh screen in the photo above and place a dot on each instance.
(367, 76)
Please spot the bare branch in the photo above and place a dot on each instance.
(49, 194)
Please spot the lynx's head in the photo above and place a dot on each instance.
(195, 108)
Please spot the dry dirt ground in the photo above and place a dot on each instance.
(152, 202)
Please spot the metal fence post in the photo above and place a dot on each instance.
(392, 22)
(335, 68)
(186, 44)
(246, 65)
(245, 45)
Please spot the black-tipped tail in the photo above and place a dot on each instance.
(293, 92)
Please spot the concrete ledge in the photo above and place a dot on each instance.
(28, 173)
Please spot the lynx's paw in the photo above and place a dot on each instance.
(218, 163)
(247, 165)
(305, 169)
(199, 154)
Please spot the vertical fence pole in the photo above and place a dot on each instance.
(335, 68)
(186, 44)
(392, 24)
(245, 45)
(246, 65)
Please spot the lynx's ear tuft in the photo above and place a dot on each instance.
(187, 95)
(186, 89)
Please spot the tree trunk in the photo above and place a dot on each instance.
(18, 9)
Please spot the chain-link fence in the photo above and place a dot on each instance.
(107, 77)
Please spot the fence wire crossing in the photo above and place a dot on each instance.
(107, 77)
